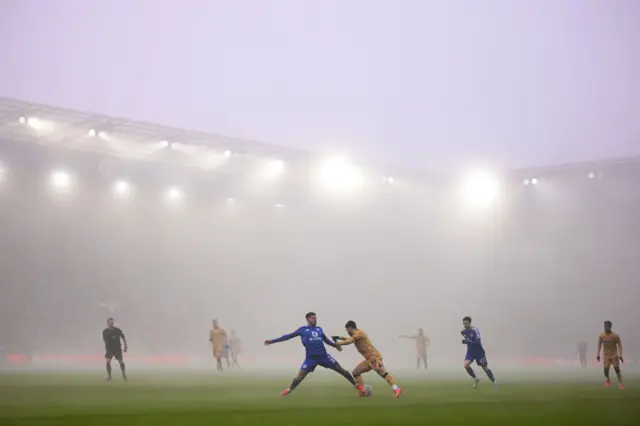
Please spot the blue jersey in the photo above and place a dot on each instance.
(313, 339)
(474, 341)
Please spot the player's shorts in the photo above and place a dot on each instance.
(225, 352)
(422, 355)
(217, 352)
(373, 363)
(479, 358)
(326, 361)
(609, 361)
(114, 353)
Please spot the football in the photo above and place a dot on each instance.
(368, 389)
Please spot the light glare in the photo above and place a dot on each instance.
(174, 194)
(60, 179)
(121, 187)
(481, 188)
(338, 174)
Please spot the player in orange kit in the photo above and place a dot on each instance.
(611, 346)
(217, 337)
(372, 358)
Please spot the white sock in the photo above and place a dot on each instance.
(394, 387)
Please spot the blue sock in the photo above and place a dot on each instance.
(470, 371)
(490, 375)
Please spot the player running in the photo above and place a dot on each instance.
(313, 339)
(612, 353)
(217, 337)
(112, 337)
(475, 352)
(422, 342)
(372, 358)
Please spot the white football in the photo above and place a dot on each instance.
(368, 389)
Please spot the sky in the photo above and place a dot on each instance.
(433, 85)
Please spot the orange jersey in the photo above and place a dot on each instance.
(217, 336)
(362, 343)
(609, 344)
(421, 345)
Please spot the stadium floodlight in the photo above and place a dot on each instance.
(92, 133)
(23, 120)
(61, 179)
(338, 174)
(280, 206)
(526, 182)
(121, 188)
(230, 201)
(389, 179)
(534, 181)
(227, 153)
(481, 188)
(174, 194)
(591, 175)
(103, 135)
(275, 168)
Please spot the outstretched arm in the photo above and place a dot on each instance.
(283, 338)
(407, 337)
(328, 341)
(347, 341)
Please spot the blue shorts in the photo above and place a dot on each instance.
(480, 358)
(326, 361)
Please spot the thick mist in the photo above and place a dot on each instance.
(538, 272)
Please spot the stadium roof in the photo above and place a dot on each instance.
(46, 125)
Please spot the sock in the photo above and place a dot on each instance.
(294, 383)
(418, 364)
(490, 375)
(359, 380)
(470, 372)
(619, 375)
(124, 373)
(394, 387)
(389, 379)
(344, 373)
(606, 373)
(109, 370)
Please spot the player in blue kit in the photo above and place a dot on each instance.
(475, 352)
(313, 339)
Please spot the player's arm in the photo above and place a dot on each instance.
(408, 337)
(348, 341)
(328, 341)
(599, 348)
(427, 341)
(619, 344)
(473, 338)
(124, 340)
(282, 338)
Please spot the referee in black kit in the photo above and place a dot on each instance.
(113, 338)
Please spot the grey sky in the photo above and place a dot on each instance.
(436, 84)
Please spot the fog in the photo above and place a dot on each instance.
(538, 271)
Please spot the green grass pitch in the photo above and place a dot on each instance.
(39, 399)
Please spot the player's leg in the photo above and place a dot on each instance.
(331, 363)
(295, 382)
(360, 369)
(482, 362)
(616, 368)
(467, 366)
(108, 356)
(424, 360)
(607, 366)
(120, 360)
(418, 364)
(378, 367)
